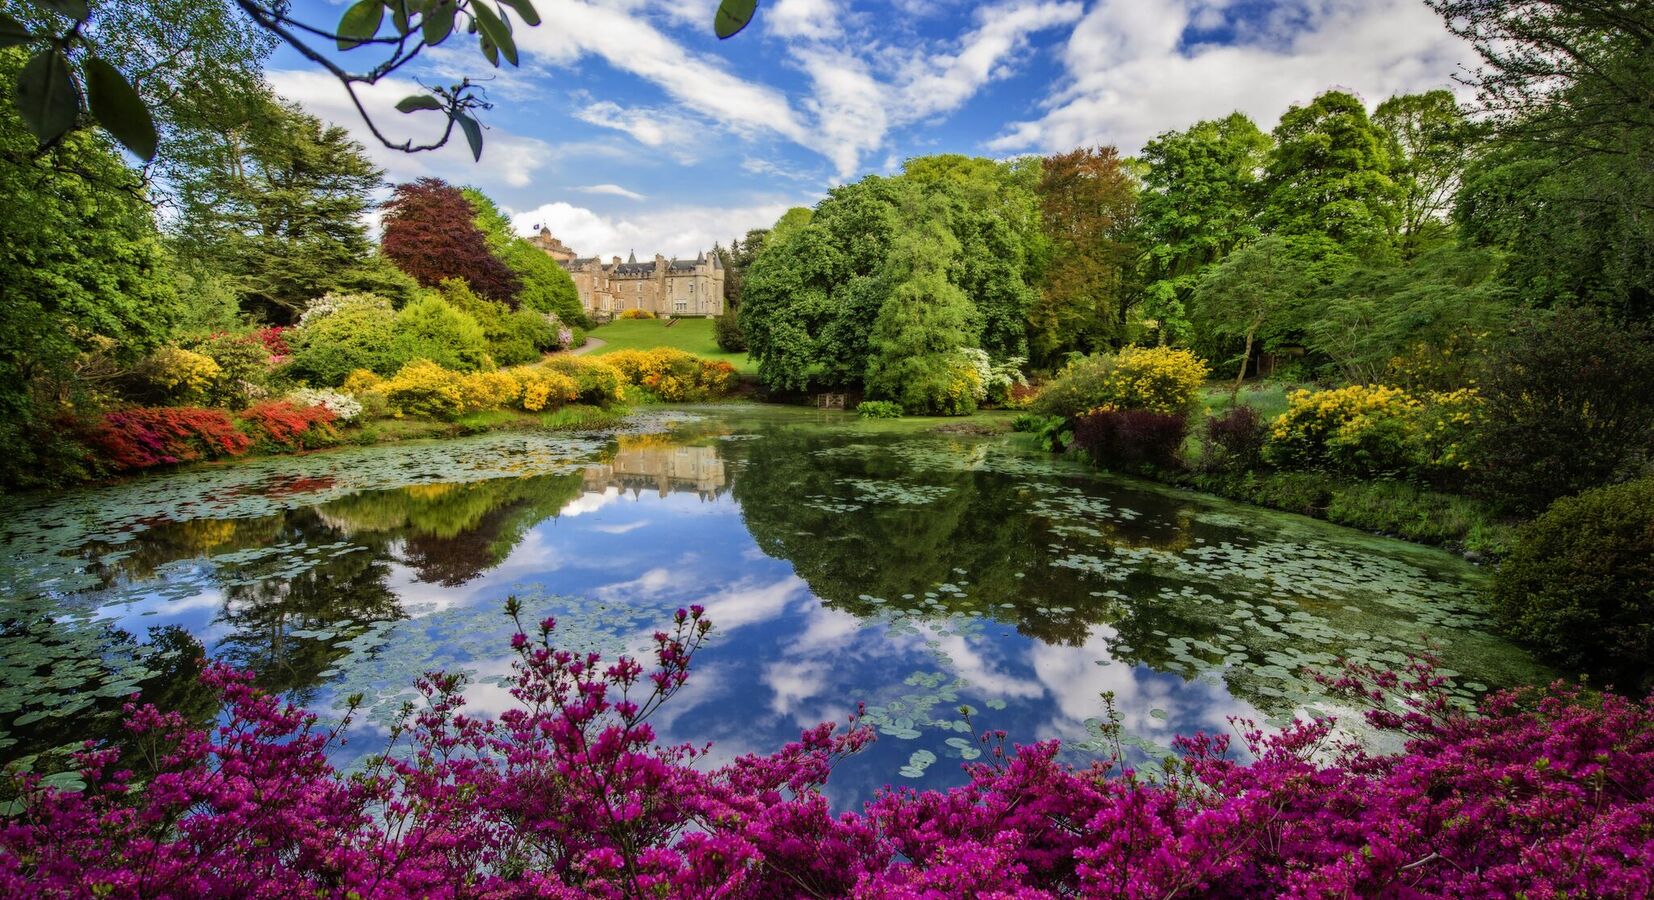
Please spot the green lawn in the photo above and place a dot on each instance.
(693, 335)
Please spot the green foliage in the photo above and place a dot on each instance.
(1568, 404)
(430, 328)
(727, 331)
(1088, 206)
(1430, 142)
(341, 334)
(546, 287)
(1579, 584)
(879, 409)
(1081, 385)
(1330, 176)
(922, 326)
(514, 336)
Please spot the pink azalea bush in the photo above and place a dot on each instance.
(571, 795)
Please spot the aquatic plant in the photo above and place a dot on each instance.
(570, 794)
(879, 409)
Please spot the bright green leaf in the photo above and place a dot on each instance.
(12, 32)
(733, 15)
(46, 95)
(360, 23)
(416, 102)
(495, 30)
(119, 109)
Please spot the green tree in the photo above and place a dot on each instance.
(514, 336)
(924, 322)
(1258, 294)
(352, 334)
(1331, 175)
(791, 222)
(277, 205)
(431, 328)
(1432, 142)
(1088, 204)
(546, 287)
(1199, 202)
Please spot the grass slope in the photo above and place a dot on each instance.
(693, 335)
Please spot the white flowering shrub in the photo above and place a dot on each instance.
(343, 406)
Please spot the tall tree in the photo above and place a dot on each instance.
(924, 322)
(277, 204)
(1330, 175)
(1088, 204)
(546, 286)
(1201, 189)
(430, 232)
(1432, 140)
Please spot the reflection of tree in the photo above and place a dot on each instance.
(66, 682)
(167, 541)
(263, 613)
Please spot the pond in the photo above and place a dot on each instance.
(912, 569)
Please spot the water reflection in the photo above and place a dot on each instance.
(916, 572)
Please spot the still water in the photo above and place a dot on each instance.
(912, 569)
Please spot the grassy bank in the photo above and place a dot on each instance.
(691, 335)
(577, 417)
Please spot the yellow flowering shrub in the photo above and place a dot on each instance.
(424, 389)
(636, 314)
(1366, 429)
(361, 381)
(595, 381)
(489, 390)
(1158, 379)
(182, 375)
(674, 375)
(543, 389)
(1445, 425)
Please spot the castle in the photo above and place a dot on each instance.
(665, 287)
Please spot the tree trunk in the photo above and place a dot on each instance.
(1246, 357)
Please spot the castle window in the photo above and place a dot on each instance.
(680, 306)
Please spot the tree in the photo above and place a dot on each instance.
(277, 204)
(791, 222)
(430, 232)
(1432, 140)
(1330, 175)
(431, 328)
(735, 260)
(547, 288)
(1088, 204)
(1256, 291)
(86, 285)
(1200, 197)
(924, 323)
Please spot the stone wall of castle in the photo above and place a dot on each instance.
(665, 287)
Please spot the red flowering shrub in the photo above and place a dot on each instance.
(145, 437)
(284, 425)
(1131, 438)
(570, 795)
(274, 339)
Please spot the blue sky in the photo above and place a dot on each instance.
(629, 126)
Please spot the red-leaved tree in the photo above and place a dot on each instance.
(431, 233)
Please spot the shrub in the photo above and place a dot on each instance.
(1159, 379)
(1568, 405)
(1360, 429)
(339, 334)
(361, 381)
(544, 389)
(179, 376)
(489, 390)
(284, 425)
(343, 406)
(997, 379)
(1131, 438)
(1234, 439)
(726, 329)
(597, 382)
(274, 340)
(244, 367)
(430, 328)
(1579, 584)
(571, 794)
(674, 375)
(143, 438)
(879, 409)
(514, 337)
(1443, 430)
(635, 314)
(425, 390)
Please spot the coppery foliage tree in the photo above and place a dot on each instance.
(1089, 205)
(431, 233)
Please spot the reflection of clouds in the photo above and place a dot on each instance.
(1074, 680)
(746, 603)
(620, 529)
(975, 665)
(650, 584)
(589, 502)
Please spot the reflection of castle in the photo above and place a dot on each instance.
(666, 469)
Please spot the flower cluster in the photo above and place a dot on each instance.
(674, 375)
(146, 437)
(1157, 379)
(635, 314)
(426, 390)
(1360, 428)
(343, 406)
(286, 425)
(570, 794)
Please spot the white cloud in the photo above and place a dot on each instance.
(510, 160)
(671, 230)
(1133, 71)
(808, 19)
(613, 190)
